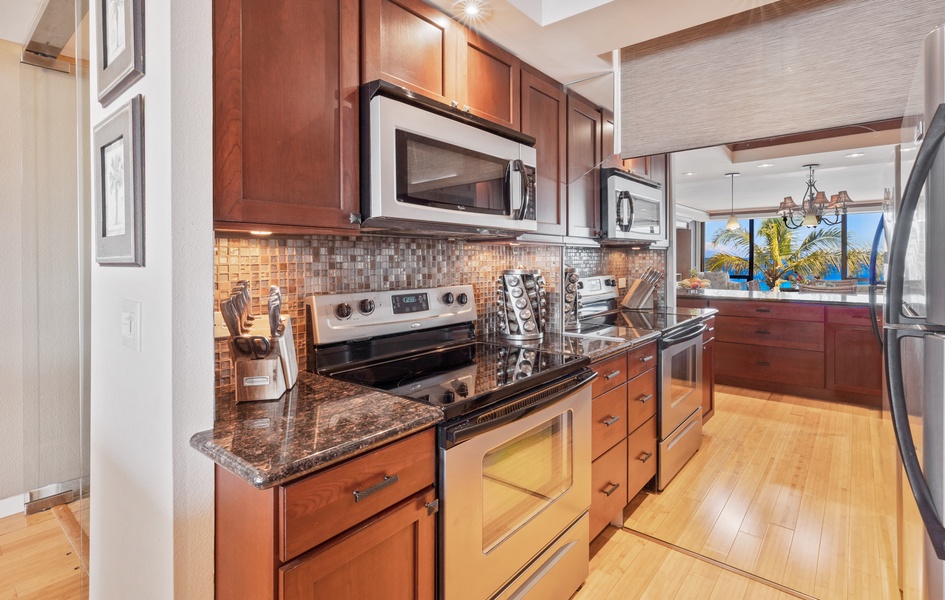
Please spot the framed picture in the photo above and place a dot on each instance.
(120, 46)
(119, 186)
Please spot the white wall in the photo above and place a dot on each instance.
(40, 396)
(152, 496)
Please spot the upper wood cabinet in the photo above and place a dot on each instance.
(414, 45)
(545, 117)
(584, 146)
(608, 130)
(285, 123)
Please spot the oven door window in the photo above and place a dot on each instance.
(523, 476)
(646, 215)
(440, 175)
(683, 375)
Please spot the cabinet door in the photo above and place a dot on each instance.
(608, 488)
(411, 44)
(708, 376)
(391, 557)
(490, 80)
(584, 137)
(854, 361)
(608, 156)
(285, 122)
(544, 117)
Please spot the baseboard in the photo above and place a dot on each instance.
(11, 506)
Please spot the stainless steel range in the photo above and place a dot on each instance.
(680, 383)
(513, 452)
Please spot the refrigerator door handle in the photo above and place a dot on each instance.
(874, 283)
(910, 200)
(910, 459)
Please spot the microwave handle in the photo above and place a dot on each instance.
(528, 188)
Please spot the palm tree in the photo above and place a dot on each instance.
(777, 255)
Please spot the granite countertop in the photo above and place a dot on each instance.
(810, 297)
(318, 423)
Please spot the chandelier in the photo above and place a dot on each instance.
(815, 208)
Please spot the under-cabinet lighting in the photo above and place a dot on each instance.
(765, 165)
(261, 232)
(855, 155)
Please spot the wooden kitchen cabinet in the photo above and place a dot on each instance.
(315, 536)
(608, 488)
(851, 344)
(584, 144)
(391, 556)
(708, 370)
(414, 45)
(285, 118)
(544, 117)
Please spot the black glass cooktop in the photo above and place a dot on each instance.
(463, 378)
(610, 323)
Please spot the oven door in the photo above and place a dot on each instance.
(681, 386)
(510, 486)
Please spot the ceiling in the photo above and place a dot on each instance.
(16, 18)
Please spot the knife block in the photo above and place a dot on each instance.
(259, 378)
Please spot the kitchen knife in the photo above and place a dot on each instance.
(230, 317)
(275, 310)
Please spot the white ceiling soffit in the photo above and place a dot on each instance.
(16, 18)
(545, 12)
(568, 49)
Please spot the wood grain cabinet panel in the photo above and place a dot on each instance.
(544, 117)
(641, 399)
(390, 556)
(854, 362)
(708, 378)
(608, 420)
(780, 333)
(780, 365)
(611, 372)
(584, 143)
(411, 44)
(285, 123)
(641, 359)
(641, 457)
(492, 83)
(794, 311)
(608, 487)
(691, 302)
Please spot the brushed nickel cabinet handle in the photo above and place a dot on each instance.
(645, 456)
(762, 363)
(432, 507)
(613, 488)
(644, 398)
(388, 481)
(763, 310)
(611, 420)
(612, 375)
(647, 358)
(762, 332)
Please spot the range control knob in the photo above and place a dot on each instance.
(448, 397)
(580, 285)
(462, 389)
(366, 306)
(343, 310)
(462, 299)
(610, 282)
(448, 298)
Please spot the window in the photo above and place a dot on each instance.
(839, 251)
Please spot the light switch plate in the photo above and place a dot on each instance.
(622, 282)
(220, 331)
(131, 324)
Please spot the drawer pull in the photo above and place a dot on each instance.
(613, 488)
(762, 363)
(763, 310)
(861, 316)
(762, 332)
(645, 456)
(612, 375)
(432, 506)
(647, 358)
(611, 420)
(644, 398)
(710, 329)
(388, 481)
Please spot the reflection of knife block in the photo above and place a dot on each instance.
(259, 379)
(285, 347)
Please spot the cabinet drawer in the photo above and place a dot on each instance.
(781, 365)
(691, 303)
(611, 372)
(608, 420)
(850, 315)
(709, 332)
(800, 335)
(794, 311)
(641, 457)
(641, 399)
(640, 360)
(608, 487)
(323, 505)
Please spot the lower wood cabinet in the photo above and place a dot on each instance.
(708, 370)
(641, 457)
(335, 533)
(390, 556)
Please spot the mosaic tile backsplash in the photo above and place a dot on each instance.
(336, 264)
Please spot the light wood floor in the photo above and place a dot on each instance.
(37, 558)
(795, 491)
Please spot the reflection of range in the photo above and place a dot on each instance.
(680, 385)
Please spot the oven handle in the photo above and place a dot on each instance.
(458, 434)
(670, 341)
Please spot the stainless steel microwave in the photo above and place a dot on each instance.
(428, 168)
(632, 209)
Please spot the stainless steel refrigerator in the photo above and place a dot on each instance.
(914, 331)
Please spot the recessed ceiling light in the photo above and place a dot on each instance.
(765, 165)
(471, 10)
(855, 155)
(689, 174)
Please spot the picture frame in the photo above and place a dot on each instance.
(120, 39)
(119, 186)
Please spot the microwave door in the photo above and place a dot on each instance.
(646, 216)
(624, 211)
